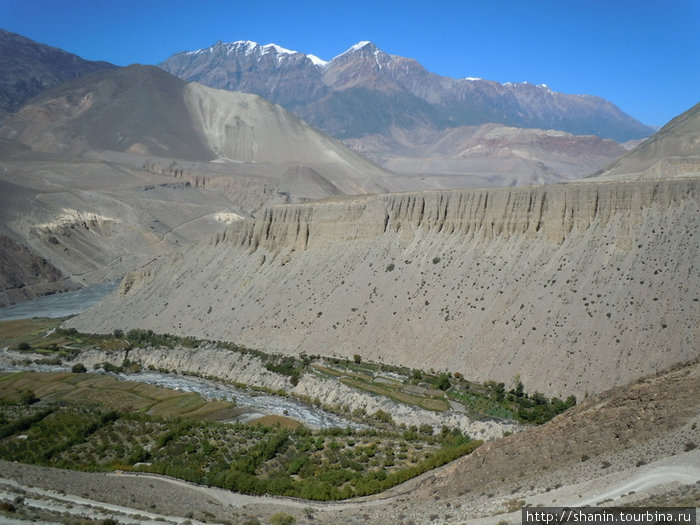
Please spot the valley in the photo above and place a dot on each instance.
(344, 291)
(59, 418)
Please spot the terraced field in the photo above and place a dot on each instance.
(113, 394)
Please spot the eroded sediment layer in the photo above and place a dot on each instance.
(575, 287)
(246, 369)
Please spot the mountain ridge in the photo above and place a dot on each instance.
(465, 101)
(28, 67)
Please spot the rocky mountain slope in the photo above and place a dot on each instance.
(673, 151)
(23, 275)
(142, 110)
(365, 91)
(575, 287)
(28, 67)
(107, 171)
(276, 74)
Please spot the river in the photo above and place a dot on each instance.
(59, 304)
(264, 404)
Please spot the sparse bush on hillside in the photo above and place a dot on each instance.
(282, 518)
(28, 397)
(436, 260)
(390, 268)
(109, 367)
(385, 417)
(426, 429)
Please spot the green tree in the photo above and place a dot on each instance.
(519, 389)
(443, 382)
(78, 368)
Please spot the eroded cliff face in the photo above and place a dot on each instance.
(550, 212)
(575, 287)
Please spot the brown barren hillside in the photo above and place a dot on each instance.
(648, 410)
(672, 152)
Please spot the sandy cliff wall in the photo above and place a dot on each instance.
(574, 287)
(552, 212)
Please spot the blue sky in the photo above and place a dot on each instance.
(643, 56)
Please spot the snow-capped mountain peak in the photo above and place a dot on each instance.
(278, 49)
(248, 47)
(359, 47)
(317, 61)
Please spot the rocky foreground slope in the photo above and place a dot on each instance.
(575, 287)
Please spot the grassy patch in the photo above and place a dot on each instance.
(45, 337)
(31, 331)
(275, 420)
(483, 405)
